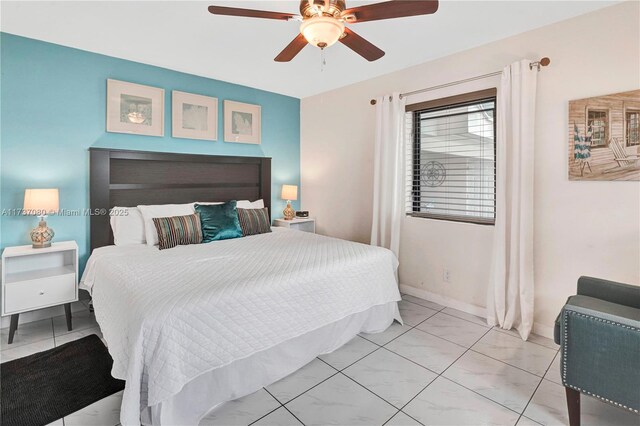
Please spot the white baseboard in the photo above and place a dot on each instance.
(539, 329)
(543, 330)
(444, 300)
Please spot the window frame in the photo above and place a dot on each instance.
(627, 112)
(607, 126)
(470, 98)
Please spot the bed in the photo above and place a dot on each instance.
(195, 326)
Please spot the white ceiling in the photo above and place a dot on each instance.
(183, 36)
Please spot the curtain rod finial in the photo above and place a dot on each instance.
(541, 63)
(373, 102)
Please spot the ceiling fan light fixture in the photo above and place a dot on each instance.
(322, 31)
(323, 23)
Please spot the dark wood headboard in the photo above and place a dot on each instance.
(131, 178)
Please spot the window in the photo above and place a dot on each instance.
(632, 128)
(598, 121)
(452, 164)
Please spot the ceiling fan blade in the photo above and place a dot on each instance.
(249, 13)
(292, 49)
(391, 9)
(361, 46)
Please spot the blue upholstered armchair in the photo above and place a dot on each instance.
(599, 333)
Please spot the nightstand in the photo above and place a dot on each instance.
(38, 278)
(306, 224)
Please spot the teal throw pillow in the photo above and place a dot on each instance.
(219, 221)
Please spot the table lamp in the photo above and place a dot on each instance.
(289, 193)
(41, 202)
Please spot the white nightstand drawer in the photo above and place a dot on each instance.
(27, 295)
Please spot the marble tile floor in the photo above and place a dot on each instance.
(443, 367)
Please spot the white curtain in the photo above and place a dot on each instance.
(389, 173)
(511, 293)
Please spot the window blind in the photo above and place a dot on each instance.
(451, 167)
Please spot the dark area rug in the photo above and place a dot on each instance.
(44, 387)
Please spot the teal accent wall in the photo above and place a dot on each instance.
(53, 108)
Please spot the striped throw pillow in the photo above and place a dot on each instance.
(254, 221)
(178, 230)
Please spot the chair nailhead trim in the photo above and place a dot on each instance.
(564, 356)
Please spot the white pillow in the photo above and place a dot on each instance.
(246, 204)
(241, 204)
(207, 203)
(161, 210)
(127, 226)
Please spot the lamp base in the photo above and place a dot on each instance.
(288, 212)
(43, 245)
(41, 235)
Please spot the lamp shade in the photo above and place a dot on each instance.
(289, 192)
(41, 201)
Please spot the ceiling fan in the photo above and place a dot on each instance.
(323, 22)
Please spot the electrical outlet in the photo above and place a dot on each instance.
(446, 275)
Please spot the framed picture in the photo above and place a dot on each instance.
(242, 122)
(604, 137)
(194, 116)
(134, 108)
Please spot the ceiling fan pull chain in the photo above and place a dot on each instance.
(323, 60)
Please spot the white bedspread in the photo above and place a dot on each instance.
(169, 316)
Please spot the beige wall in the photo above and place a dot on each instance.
(581, 228)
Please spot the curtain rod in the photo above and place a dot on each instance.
(537, 64)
